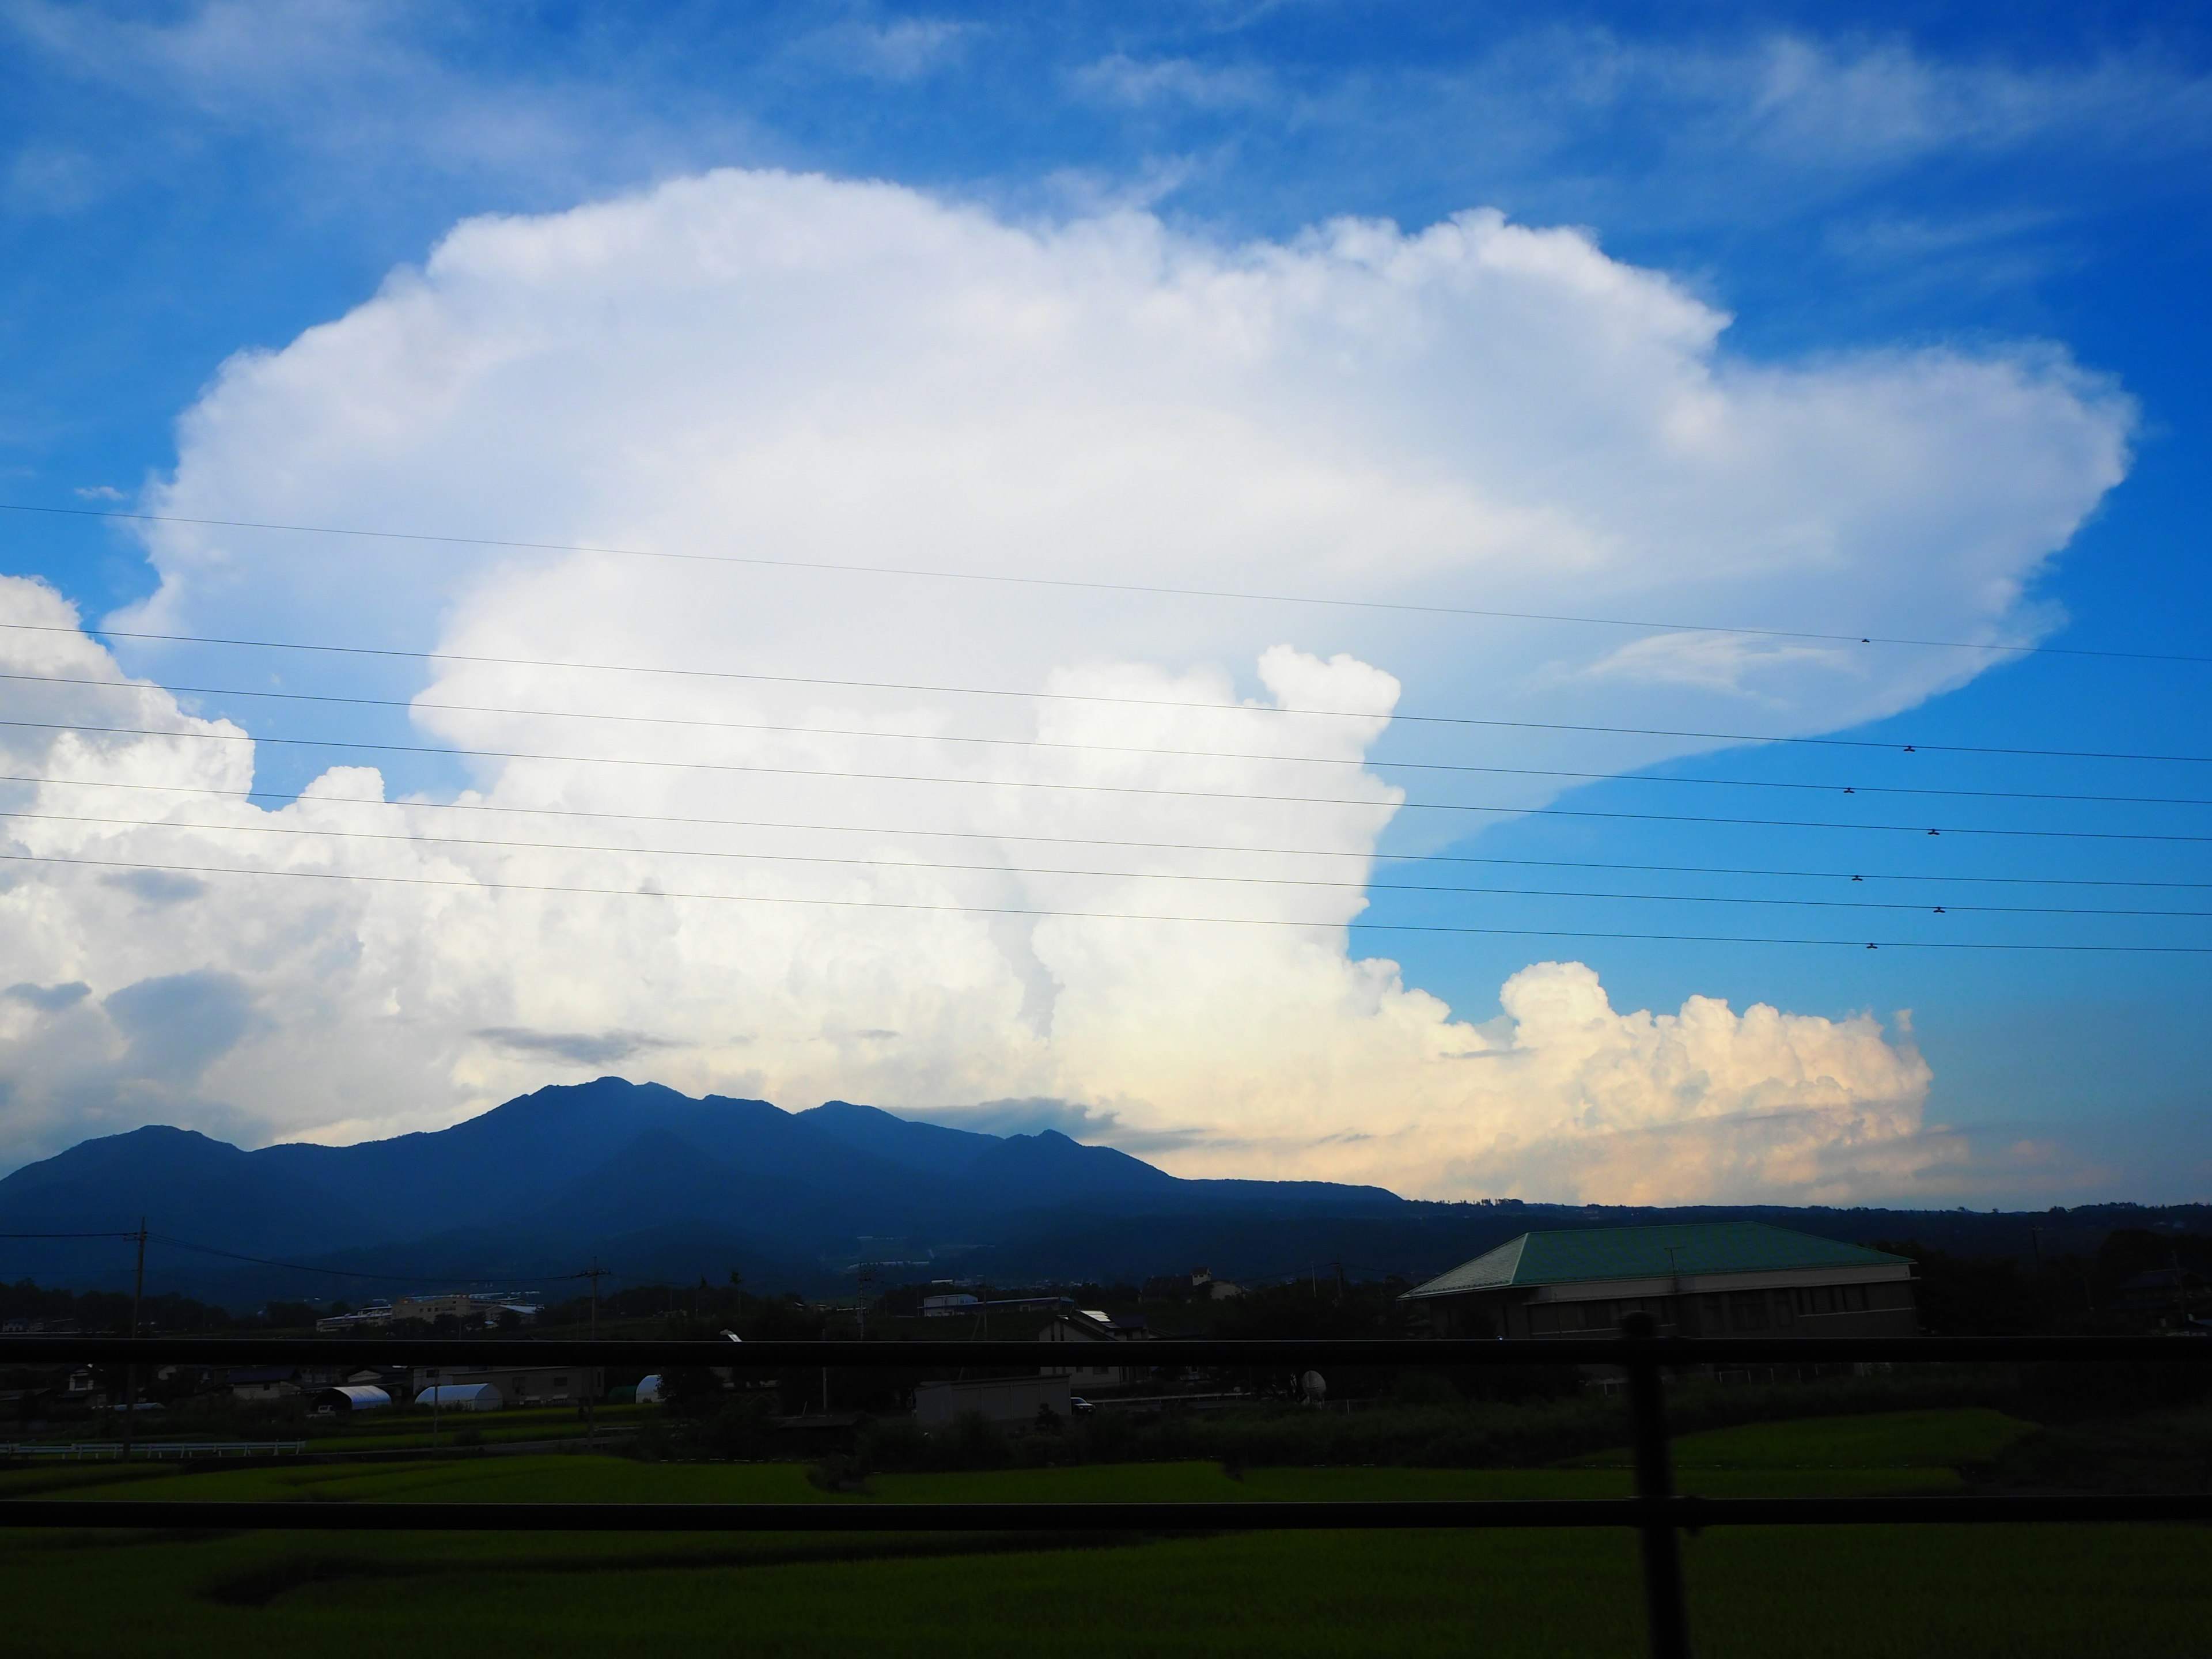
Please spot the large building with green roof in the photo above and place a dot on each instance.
(1699, 1279)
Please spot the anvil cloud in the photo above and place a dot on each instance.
(796, 372)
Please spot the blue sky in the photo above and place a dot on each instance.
(182, 184)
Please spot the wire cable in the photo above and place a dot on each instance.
(1087, 841)
(1083, 586)
(1148, 791)
(1108, 875)
(1396, 717)
(1095, 915)
(1360, 761)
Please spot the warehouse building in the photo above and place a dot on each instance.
(1701, 1279)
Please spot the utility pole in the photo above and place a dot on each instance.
(130, 1384)
(592, 1375)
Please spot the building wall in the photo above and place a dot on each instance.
(1010, 1401)
(1864, 1308)
(1088, 1372)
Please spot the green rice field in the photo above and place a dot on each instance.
(1873, 1591)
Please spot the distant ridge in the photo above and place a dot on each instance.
(662, 1186)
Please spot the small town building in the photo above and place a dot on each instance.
(261, 1384)
(2166, 1296)
(950, 1305)
(1698, 1279)
(1008, 1401)
(550, 1385)
(1083, 1330)
(460, 1397)
(470, 1309)
(378, 1312)
(349, 1398)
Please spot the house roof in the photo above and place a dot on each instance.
(1690, 1248)
(2161, 1278)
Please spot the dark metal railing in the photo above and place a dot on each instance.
(1263, 1354)
(1657, 1512)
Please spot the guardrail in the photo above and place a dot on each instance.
(98, 1451)
(1657, 1512)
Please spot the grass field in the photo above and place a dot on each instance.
(1888, 1440)
(2056, 1590)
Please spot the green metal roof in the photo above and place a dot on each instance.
(1691, 1249)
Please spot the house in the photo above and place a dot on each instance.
(470, 1309)
(2166, 1296)
(1700, 1279)
(947, 1307)
(1085, 1328)
(378, 1312)
(1009, 1401)
(263, 1384)
(460, 1397)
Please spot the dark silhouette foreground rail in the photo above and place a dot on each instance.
(1656, 1513)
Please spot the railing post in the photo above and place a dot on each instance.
(1654, 1487)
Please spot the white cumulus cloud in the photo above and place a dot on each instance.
(797, 869)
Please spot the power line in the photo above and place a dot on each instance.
(1090, 916)
(1112, 875)
(751, 769)
(1396, 717)
(1079, 585)
(1091, 840)
(413, 706)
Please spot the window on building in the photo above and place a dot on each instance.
(1855, 1298)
